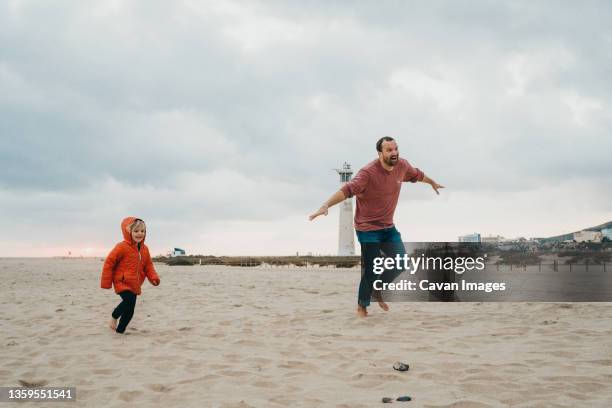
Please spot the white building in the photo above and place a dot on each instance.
(177, 252)
(492, 239)
(346, 234)
(588, 236)
(475, 237)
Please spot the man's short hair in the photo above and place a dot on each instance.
(381, 140)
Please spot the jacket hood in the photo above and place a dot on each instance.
(125, 230)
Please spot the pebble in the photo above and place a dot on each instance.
(399, 366)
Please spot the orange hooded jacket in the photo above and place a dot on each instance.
(126, 267)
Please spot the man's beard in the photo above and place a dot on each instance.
(391, 160)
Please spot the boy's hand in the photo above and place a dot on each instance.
(155, 282)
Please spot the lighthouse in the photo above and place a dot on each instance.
(346, 236)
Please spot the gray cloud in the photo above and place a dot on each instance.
(208, 108)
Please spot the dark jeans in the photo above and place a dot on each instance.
(383, 242)
(125, 310)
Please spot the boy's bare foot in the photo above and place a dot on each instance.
(362, 311)
(383, 305)
(113, 324)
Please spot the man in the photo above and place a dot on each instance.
(377, 187)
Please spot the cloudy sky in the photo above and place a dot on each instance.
(219, 123)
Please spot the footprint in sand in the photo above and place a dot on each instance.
(461, 404)
(33, 383)
(265, 384)
(483, 389)
(233, 373)
(159, 387)
(579, 397)
(259, 361)
(299, 365)
(57, 363)
(128, 396)
(207, 377)
(247, 342)
(241, 404)
(282, 401)
(602, 362)
(105, 371)
(232, 357)
(563, 354)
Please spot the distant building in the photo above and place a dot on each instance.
(588, 236)
(475, 237)
(607, 233)
(177, 252)
(492, 239)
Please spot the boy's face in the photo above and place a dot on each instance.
(138, 233)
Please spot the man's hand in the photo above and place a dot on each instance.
(436, 186)
(337, 197)
(433, 184)
(321, 211)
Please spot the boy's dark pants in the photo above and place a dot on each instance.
(384, 242)
(125, 310)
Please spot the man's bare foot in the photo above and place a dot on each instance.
(378, 297)
(362, 311)
(112, 324)
(383, 305)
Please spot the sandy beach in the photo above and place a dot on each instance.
(240, 337)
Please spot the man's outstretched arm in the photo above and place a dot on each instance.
(433, 184)
(336, 198)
